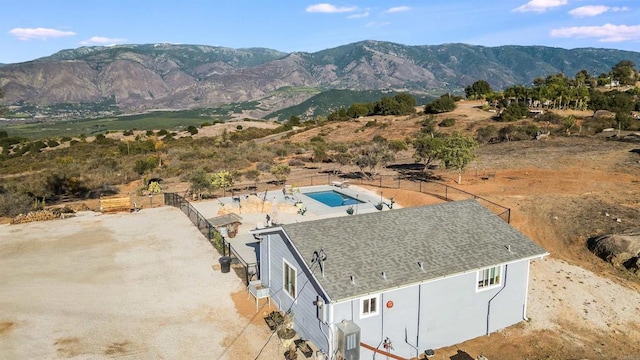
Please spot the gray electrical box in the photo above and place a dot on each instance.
(348, 340)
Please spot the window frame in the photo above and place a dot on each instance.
(369, 313)
(480, 278)
(294, 280)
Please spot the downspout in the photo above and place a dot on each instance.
(506, 267)
(381, 322)
(526, 294)
(406, 335)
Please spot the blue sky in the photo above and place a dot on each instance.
(34, 28)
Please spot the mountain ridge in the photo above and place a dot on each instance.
(145, 76)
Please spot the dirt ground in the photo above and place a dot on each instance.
(134, 286)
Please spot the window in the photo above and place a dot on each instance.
(369, 306)
(489, 277)
(289, 281)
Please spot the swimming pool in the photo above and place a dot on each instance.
(333, 198)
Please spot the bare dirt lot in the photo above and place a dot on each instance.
(134, 286)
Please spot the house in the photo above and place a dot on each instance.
(400, 281)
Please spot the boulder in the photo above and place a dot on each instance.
(621, 250)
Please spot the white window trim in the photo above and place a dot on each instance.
(284, 274)
(491, 286)
(370, 313)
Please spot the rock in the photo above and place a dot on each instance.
(621, 250)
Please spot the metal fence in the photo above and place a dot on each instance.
(208, 230)
(434, 188)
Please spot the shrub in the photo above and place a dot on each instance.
(488, 135)
(12, 204)
(379, 139)
(398, 145)
(549, 117)
(514, 112)
(52, 143)
(296, 162)
(127, 132)
(371, 123)
(192, 129)
(448, 122)
(264, 166)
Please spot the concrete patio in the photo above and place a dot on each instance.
(274, 207)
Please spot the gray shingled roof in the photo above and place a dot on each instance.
(448, 238)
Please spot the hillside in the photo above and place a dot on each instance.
(165, 76)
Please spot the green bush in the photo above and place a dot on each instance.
(448, 122)
(514, 112)
(444, 103)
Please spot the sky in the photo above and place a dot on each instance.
(30, 29)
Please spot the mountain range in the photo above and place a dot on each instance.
(169, 76)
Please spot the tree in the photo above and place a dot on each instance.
(2, 108)
(343, 158)
(478, 90)
(427, 149)
(280, 171)
(154, 188)
(457, 152)
(357, 110)
(371, 157)
(320, 152)
(624, 72)
(293, 121)
(444, 103)
(222, 180)
(199, 183)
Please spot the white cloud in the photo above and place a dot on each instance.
(329, 8)
(359, 16)
(604, 33)
(540, 6)
(39, 33)
(398, 9)
(594, 10)
(378, 23)
(101, 40)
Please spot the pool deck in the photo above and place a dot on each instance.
(281, 209)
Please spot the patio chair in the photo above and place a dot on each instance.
(341, 184)
(287, 190)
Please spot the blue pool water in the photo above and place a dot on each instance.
(333, 198)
